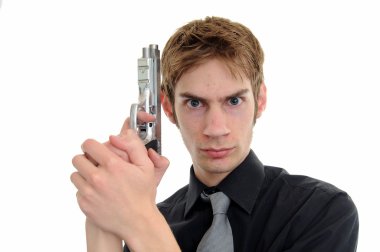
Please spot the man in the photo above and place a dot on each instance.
(213, 90)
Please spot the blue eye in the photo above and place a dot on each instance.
(194, 103)
(234, 101)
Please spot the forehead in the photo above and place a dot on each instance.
(212, 78)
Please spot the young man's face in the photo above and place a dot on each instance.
(215, 114)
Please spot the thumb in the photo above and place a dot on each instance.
(115, 148)
(161, 164)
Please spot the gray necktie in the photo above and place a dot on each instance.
(218, 237)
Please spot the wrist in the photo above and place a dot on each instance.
(152, 234)
(98, 239)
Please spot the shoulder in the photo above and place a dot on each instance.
(305, 191)
(280, 177)
(309, 197)
(315, 210)
(312, 209)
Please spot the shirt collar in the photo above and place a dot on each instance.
(242, 185)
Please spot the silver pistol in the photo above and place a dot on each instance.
(149, 81)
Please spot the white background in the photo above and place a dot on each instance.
(68, 72)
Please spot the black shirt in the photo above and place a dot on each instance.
(270, 211)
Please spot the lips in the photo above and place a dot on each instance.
(217, 153)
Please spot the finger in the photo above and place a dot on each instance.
(91, 159)
(78, 181)
(134, 147)
(125, 126)
(84, 166)
(82, 202)
(141, 116)
(99, 152)
(145, 117)
(161, 164)
(122, 154)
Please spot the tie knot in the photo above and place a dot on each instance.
(219, 202)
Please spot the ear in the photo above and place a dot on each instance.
(261, 100)
(168, 108)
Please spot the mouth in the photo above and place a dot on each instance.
(217, 153)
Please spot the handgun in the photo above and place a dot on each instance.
(149, 81)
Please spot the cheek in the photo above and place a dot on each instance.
(186, 124)
(189, 129)
(241, 125)
(243, 117)
(188, 118)
(190, 136)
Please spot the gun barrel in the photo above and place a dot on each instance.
(149, 81)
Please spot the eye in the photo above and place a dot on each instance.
(234, 101)
(193, 103)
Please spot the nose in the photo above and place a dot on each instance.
(216, 123)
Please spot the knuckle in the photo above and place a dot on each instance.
(111, 162)
(96, 180)
(113, 149)
(123, 155)
(84, 206)
(87, 194)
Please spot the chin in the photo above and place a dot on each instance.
(219, 166)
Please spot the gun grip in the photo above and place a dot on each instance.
(153, 144)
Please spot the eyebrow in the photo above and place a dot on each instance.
(189, 95)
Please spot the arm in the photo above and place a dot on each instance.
(153, 234)
(99, 240)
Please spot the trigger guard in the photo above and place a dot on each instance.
(133, 117)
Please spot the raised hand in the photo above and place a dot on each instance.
(112, 191)
(118, 144)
